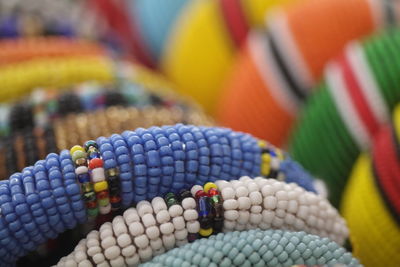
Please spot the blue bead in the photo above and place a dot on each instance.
(48, 202)
(192, 166)
(21, 209)
(140, 170)
(153, 188)
(40, 219)
(137, 149)
(106, 147)
(14, 226)
(204, 170)
(167, 180)
(125, 167)
(167, 160)
(107, 155)
(52, 162)
(179, 177)
(204, 150)
(126, 187)
(153, 159)
(72, 189)
(162, 141)
(154, 172)
(121, 150)
(168, 170)
(84, 178)
(124, 158)
(77, 206)
(59, 192)
(179, 166)
(154, 181)
(42, 185)
(138, 159)
(29, 188)
(165, 151)
(18, 198)
(7, 208)
(140, 181)
(110, 163)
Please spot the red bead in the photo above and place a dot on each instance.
(102, 194)
(200, 193)
(91, 204)
(95, 163)
(213, 192)
(115, 199)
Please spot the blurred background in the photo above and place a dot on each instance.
(318, 78)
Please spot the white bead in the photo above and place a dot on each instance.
(133, 260)
(236, 184)
(221, 184)
(103, 264)
(229, 225)
(190, 214)
(289, 219)
(280, 213)
(255, 218)
(193, 226)
(141, 241)
(108, 242)
(195, 189)
(93, 235)
(105, 209)
(261, 182)
(244, 203)
(278, 186)
(240, 227)
(242, 191)
(179, 222)
(153, 232)
(255, 198)
(156, 243)
(136, 228)
(70, 263)
(256, 209)
(282, 204)
(292, 206)
(244, 216)
(128, 251)
(244, 179)
(130, 216)
(270, 202)
(79, 256)
(163, 216)
(145, 254)
(144, 207)
(166, 228)
(85, 263)
(268, 216)
(175, 210)
(299, 224)
(93, 250)
(158, 204)
(230, 204)
(181, 234)
(189, 203)
(267, 190)
(264, 226)
(81, 170)
(112, 252)
(119, 226)
(232, 215)
(281, 195)
(92, 242)
(253, 187)
(118, 262)
(97, 175)
(168, 241)
(228, 193)
(311, 220)
(105, 233)
(124, 240)
(312, 199)
(277, 222)
(148, 220)
(302, 212)
(98, 258)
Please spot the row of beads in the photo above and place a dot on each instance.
(257, 248)
(141, 233)
(268, 203)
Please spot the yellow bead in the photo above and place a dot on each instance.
(205, 232)
(76, 148)
(266, 158)
(100, 186)
(208, 186)
(262, 143)
(265, 169)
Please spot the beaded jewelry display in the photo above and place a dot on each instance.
(160, 226)
(258, 248)
(141, 156)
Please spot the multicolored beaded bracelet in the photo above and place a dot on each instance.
(141, 154)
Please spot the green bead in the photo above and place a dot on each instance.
(263, 249)
(226, 262)
(247, 250)
(90, 143)
(268, 256)
(218, 244)
(78, 155)
(196, 259)
(288, 262)
(283, 241)
(185, 264)
(294, 240)
(256, 244)
(241, 244)
(103, 202)
(178, 262)
(169, 261)
(307, 253)
(246, 263)
(217, 257)
(283, 256)
(227, 247)
(301, 247)
(239, 259)
(310, 261)
(273, 262)
(272, 244)
(233, 253)
(93, 212)
(188, 255)
(254, 258)
(204, 262)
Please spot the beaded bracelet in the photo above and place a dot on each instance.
(259, 248)
(142, 152)
(165, 219)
